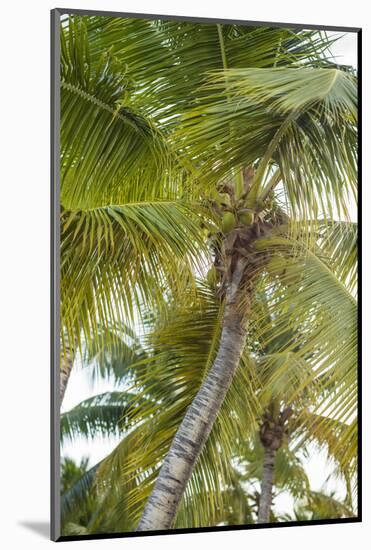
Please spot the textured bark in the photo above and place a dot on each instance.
(265, 502)
(162, 506)
(67, 360)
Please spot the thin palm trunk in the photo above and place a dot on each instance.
(272, 432)
(265, 502)
(67, 360)
(196, 426)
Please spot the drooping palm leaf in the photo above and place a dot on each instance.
(106, 414)
(103, 142)
(313, 317)
(115, 258)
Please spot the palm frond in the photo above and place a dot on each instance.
(339, 241)
(322, 506)
(103, 141)
(340, 440)
(168, 60)
(290, 473)
(112, 353)
(115, 258)
(76, 499)
(106, 415)
(287, 114)
(312, 316)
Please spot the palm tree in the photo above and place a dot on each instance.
(216, 493)
(282, 401)
(164, 382)
(242, 164)
(71, 474)
(320, 505)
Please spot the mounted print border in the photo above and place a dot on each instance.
(227, 237)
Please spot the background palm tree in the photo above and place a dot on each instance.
(242, 166)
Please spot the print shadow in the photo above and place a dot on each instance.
(42, 528)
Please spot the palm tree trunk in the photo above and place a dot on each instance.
(265, 502)
(162, 506)
(67, 360)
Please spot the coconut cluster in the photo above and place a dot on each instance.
(235, 247)
(240, 236)
(273, 428)
(233, 238)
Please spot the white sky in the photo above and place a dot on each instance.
(345, 49)
(80, 386)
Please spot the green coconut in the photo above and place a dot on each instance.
(246, 218)
(228, 222)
